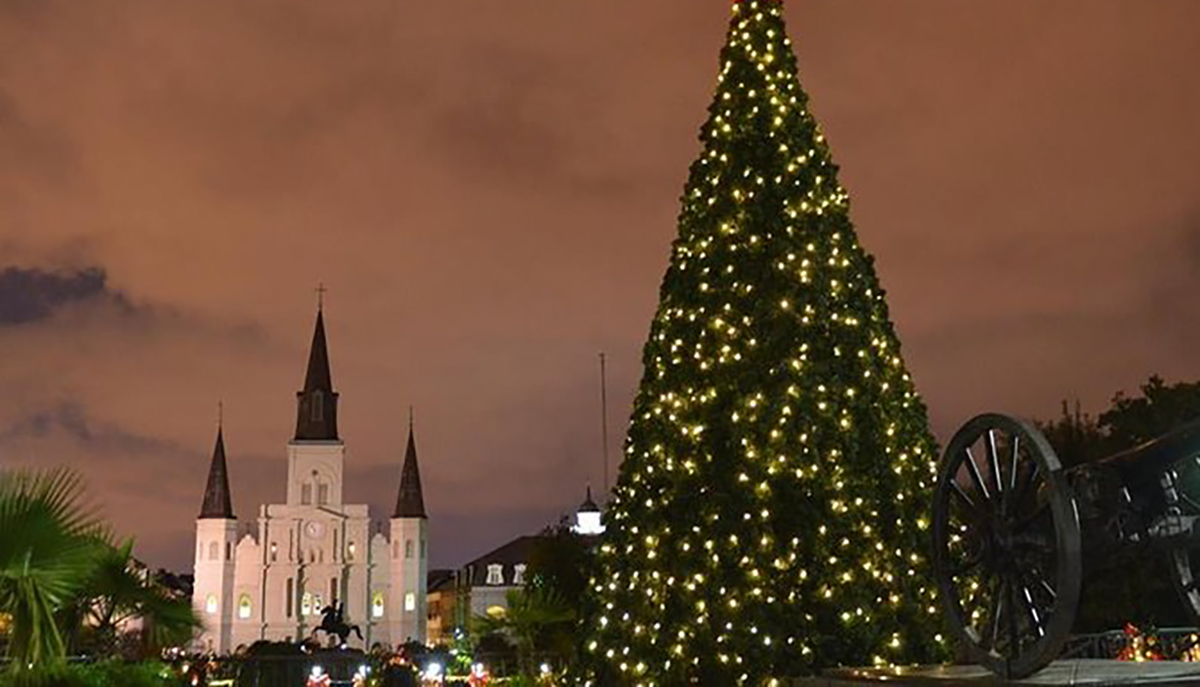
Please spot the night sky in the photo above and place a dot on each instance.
(489, 191)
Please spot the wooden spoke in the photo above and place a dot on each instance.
(976, 478)
(1040, 580)
(1031, 610)
(993, 460)
(962, 495)
(1029, 480)
(1012, 473)
(994, 624)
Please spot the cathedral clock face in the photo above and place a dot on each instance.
(314, 530)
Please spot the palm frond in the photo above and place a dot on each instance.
(48, 549)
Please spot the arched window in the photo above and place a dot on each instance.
(244, 607)
(228, 550)
(322, 493)
(306, 493)
(210, 604)
(408, 548)
(214, 550)
(306, 604)
(377, 605)
(410, 602)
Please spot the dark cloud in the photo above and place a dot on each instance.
(32, 294)
(70, 420)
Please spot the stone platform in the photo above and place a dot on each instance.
(1092, 672)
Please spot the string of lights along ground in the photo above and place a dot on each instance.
(771, 514)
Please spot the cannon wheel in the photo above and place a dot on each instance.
(1184, 560)
(1006, 545)
(1187, 584)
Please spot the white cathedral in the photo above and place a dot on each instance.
(315, 550)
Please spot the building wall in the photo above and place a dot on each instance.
(213, 593)
(307, 549)
(407, 602)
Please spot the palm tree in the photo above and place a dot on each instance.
(116, 592)
(532, 618)
(48, 549)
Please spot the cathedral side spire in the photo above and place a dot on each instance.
(410, 503)
(218, 503)
(316, 417)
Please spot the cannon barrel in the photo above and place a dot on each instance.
(1146, 462)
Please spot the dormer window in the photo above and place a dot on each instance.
(519, 574)
(495, 574)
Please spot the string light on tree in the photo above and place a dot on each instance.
(769, 518)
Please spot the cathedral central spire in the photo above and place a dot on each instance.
(316, 413)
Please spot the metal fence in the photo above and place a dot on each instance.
(1172, 643)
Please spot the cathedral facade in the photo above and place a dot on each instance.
(273, 580)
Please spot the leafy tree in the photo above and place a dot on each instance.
(1076, 438)
(1161, 408)
(561, 561)
(116, 592)
(48, 548)
(533, 618)
(770, 517)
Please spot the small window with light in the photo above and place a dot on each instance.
(495, 574)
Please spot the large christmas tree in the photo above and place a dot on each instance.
(771, 513)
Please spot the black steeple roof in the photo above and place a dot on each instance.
(218, 504)
(588, 505)
(316, 412)
(409, 502)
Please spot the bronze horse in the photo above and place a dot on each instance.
(333, 622)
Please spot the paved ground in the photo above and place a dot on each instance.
(1092, 672)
